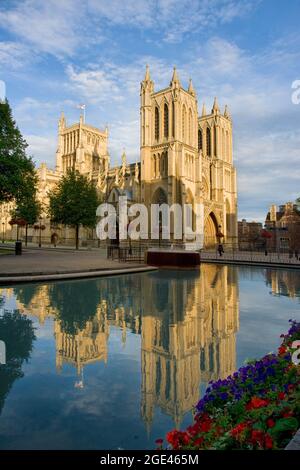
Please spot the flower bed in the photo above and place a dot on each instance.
(258, 407)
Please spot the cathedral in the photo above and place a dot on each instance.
(185, 158)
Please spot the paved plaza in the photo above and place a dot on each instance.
(59, 263)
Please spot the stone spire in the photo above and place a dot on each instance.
(175, 80)
(191, 89)
(215, 108)
(147, 83)
(147, 74)
(123, 157)
(226, 112)
(62, 121)
(204, 110)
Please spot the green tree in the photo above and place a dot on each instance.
(28, 209)
(18, 178)
(74, 202)
(74, 310)
(17, 332)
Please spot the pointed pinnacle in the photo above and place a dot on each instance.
(215, 108)
(191, 89)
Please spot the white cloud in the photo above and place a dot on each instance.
(61, 27)
(13, 54)
(42, 149)
(94, 85)
(54, 26)
(172, 19)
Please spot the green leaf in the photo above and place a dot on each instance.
(284, 424)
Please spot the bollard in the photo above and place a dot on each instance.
(18, 248)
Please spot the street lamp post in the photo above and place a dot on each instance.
(3, 231)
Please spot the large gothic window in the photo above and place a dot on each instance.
(183, 122)
(190, 127)
(166, 120)
(215, 141)
(200, 140)
(173, 119)
(227, 147)
(156, 126)
(208, 142)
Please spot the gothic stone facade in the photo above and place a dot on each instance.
(184, 158)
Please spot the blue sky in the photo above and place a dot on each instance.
(56, 54)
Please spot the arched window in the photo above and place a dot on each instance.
(173, 119)
(183, 122)
(156, 126)
(227, 147)
(190, 127)
(166, 120)
(200, 140)
(223, 145)
(215, 141)
(208, 142)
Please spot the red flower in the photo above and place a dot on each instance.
(177, 438)
(270, 423)
(237, 430)
(256, 402)
(281, 350)
(194, 429)
(268, 441)
(205, 425)
(173, 439)
(257, 437)
(198, 442)
(159, 441)
(281, 396)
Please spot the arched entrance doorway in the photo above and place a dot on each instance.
(160, 197)
(210, 231)
(189, 215)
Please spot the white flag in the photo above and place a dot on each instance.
(81, 106)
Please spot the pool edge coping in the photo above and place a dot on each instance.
(17, 279)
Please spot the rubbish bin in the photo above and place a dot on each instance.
(18, 248)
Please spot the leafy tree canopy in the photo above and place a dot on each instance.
(28, 209)
(74, 201)
(18, 178)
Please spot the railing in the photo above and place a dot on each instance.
(262, 257)
(126, 253)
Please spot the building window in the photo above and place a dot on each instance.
(156, 130)
(200, 140)
(227, 146)
(173, 119)
(284, 242)
(190, 127)
(208, 142)
(166, 120)
(215, 141)
(183, 121)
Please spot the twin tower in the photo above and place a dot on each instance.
(187, 158)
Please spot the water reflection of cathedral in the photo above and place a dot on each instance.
(283, 282)
(188, 337)
(187, 326)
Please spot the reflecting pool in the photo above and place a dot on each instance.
(114, 363)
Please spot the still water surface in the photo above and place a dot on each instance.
(117, 362)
